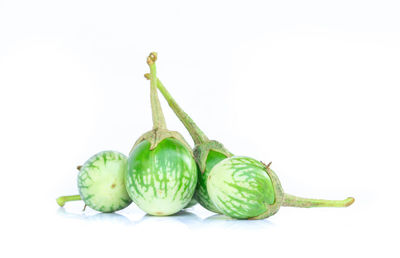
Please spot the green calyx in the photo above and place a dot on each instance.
(278, 191)
(202, 150)
(202, 144)
(159, 131)
(156, 136)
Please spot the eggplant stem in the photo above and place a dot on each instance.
(295, 201)
(157, 113)
(63, 199)
(197, 134)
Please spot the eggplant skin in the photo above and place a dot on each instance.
(101, 182)
(161, 181)
(201, 193)
(240, 187)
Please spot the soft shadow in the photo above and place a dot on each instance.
(186, 218)
(109, 217)
(189, 219)
(218, 220)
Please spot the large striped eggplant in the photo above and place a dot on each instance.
(101, 183)
(162, 174)
(207, 153)
(237, 173)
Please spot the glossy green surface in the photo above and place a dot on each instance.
(201, 193)
(240, 187)
(161, 181)
(101, 182)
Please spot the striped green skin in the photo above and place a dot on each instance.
(201, 193)
(161, 181)
(240, 187)
(101, 182)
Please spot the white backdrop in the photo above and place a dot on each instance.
(312, 86)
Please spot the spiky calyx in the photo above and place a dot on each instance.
(279, 195)
(157, 135)
(202, 150)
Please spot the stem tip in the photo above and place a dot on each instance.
(60, 201)
(151, 59)
(349, 201)
(63, 199)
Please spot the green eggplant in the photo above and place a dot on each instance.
(162, 175)
(101, 183)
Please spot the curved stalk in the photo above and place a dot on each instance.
(197, 134)
(295, 201)
(157, 113)
(63, 199)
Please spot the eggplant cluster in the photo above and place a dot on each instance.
(163, 174)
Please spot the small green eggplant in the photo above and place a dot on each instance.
(101, 183)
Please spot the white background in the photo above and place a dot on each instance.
(313, 86)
